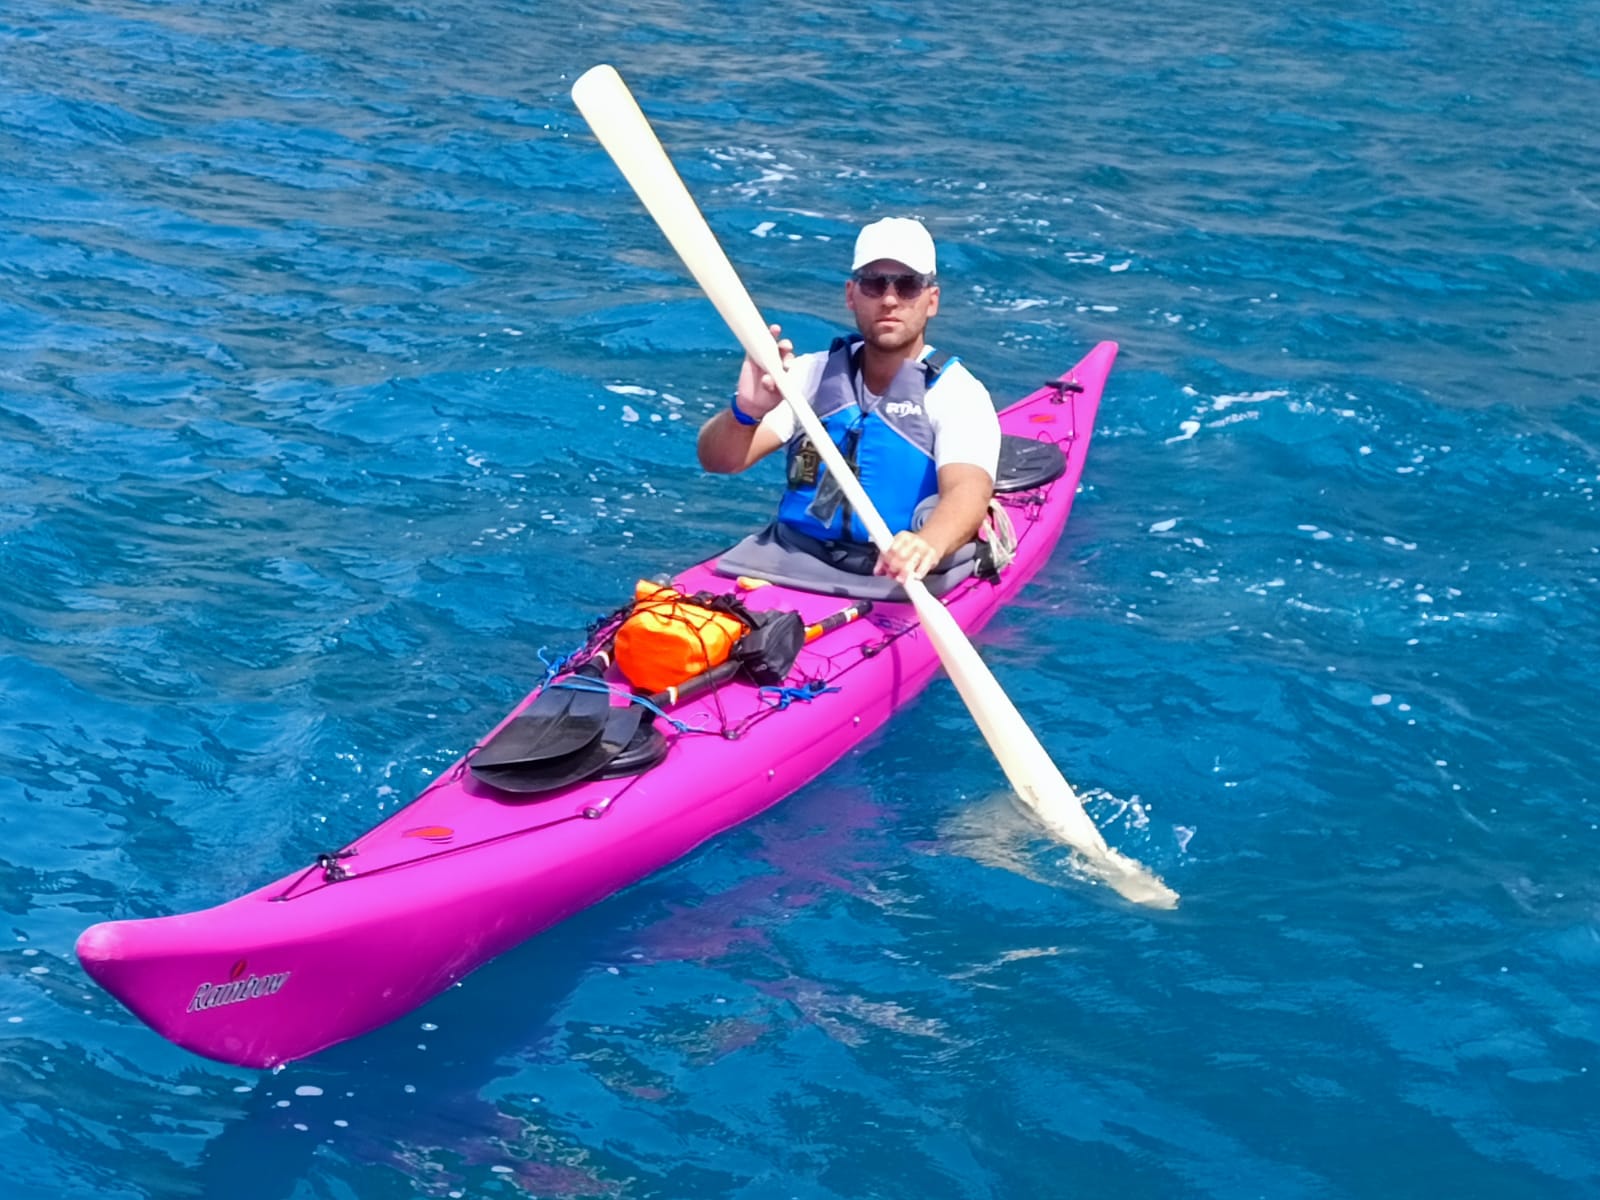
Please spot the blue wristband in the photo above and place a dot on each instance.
(739, 414)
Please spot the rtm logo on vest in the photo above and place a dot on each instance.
(902, 408)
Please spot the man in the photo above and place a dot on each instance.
(921, 433)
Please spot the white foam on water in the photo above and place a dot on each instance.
(1227, 401)
(1189, 428)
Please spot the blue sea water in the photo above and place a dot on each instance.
(340, 373)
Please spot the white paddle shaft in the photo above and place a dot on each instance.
(620, 125)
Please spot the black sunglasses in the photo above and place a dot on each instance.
(907, 286)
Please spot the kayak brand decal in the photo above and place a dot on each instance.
(238, 988)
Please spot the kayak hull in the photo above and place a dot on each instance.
(464, 873)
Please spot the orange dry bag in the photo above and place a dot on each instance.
(670, 637)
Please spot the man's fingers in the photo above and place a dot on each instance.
(908, 557)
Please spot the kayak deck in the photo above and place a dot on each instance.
(466, 871)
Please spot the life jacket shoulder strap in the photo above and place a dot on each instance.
(932, 362)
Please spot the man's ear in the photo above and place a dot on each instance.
(933, 300)
(850, 294)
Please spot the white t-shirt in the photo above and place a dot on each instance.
(965, 426)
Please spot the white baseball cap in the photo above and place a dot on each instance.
(899, 239)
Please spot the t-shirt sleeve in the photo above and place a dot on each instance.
(806, 370)
(966, 429)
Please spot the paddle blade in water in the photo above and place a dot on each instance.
(1026, 764)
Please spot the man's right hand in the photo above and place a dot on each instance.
(758, 394)
(726, 444)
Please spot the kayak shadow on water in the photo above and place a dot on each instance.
(451, 1085)
(415, 1088)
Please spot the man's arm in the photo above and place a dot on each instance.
(727, 445)
(967, 450)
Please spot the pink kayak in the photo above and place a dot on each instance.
(466, 871)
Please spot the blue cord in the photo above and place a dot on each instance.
(552, 669)
(580, 684)
(788, 695)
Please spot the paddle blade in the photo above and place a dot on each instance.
(621, 127)
(537, 778)
(560, 721)
(1026, 764)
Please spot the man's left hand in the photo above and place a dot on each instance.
(909, 556)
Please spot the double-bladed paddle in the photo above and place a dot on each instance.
(615, 117)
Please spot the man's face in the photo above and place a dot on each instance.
(891, 321)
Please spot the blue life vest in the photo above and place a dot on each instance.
(890, 448)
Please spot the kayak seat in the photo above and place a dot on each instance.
(1026, 463)
(780, 555)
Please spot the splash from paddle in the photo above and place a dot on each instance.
(614, 115)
